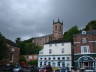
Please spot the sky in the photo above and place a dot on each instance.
(33, 18)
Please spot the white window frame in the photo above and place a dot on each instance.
(83, 49)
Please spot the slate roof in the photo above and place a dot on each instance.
(57, 41)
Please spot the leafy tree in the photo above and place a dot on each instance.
(3, 48)
(68, 36)
(18, 40)
(27, 47)
(22, 58)
(33, 62)
(91, 25)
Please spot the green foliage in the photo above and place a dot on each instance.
(27, 48)
(3, 48)
(91, 25)
(22, 58)
(68, 36)
(33, 62)
(18, 40)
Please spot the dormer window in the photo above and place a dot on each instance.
(83, 32)
(84, 40)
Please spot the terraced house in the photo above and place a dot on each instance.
(85, 49)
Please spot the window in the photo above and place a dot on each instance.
(68, 64)
(84, 40)
(63, 58)
(85, 49)
(50, 51)
(53, 58)
(63, 64)
(68, 58)
(83, 32)
(45, 58)
(60, 28)
(44, 63)
(49, 63)
(62, 50)
(49, 58)
(54, 64)
(55, 27)
(40, 63)
(58, 58)
(59, 64)
(40, 58)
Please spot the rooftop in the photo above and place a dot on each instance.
(57, 41)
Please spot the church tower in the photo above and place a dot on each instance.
(57, 30)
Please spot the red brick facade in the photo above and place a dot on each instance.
(91, 42)
(14, 53)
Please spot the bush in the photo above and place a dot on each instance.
(33, 62)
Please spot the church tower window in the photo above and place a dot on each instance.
(56, 28)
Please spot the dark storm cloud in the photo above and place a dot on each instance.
(29, 18)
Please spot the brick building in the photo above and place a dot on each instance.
(13, 54)
(85, 49)
(57, 34)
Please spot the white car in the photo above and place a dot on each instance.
(17, 69)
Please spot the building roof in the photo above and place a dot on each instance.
(91, 32)
(42, 36)
(11, 43)
(57, 41)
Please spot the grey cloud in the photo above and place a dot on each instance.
(29, 18)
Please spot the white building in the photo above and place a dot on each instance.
(56, 53)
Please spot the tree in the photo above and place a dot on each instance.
(3, 48)
(18, 40)
(33, 62)
(68, 36)
(27, 48)
(91, 25)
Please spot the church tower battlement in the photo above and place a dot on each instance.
(57, 29)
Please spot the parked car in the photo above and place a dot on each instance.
(58, 70)
(63, 70)
(17, 68)
(7, 67)
(47, 68)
